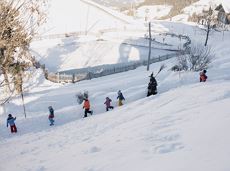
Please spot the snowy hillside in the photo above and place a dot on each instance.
(183, 127)
(80, 15)
(113, 47)
(104, 29)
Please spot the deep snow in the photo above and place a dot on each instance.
(183, 127)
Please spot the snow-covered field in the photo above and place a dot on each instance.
(71, 16)
(184, 127)
(113, 47)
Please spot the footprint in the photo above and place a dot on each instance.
(94, 149)
(167, 148)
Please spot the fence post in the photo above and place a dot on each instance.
(89, 76)
(46, 74)
(73, 78)
(58, 77)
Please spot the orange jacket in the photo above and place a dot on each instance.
(86, 104)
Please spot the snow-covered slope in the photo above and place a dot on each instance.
(80, 15)
(85, 51)
(184, 127)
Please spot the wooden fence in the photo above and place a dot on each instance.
(76, 75)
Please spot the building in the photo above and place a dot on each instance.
(223, 12)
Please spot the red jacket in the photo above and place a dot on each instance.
(86, 104)
(203, 77)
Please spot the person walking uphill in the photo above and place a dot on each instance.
(10, 121)
(86, 106)
(120, 97)
(107, 103)
(152, 86)
(51, 115)
(203, 76)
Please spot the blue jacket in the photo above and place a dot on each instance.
(120, 96)
(10, 121)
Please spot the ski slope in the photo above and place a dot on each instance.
(183, 127)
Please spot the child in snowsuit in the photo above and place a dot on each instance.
(51, 115)
(120, 97)
(203, 76)
(10, 121)
(86, 106)
(107, 103)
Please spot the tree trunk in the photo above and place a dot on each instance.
(207, 35)
(6, 79)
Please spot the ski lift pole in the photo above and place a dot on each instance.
(150, 39)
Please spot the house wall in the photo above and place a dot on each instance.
(223, 17)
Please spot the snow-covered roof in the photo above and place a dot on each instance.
(226, 5)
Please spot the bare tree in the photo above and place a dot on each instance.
(208, 20)
(19, 23)
(198, 58)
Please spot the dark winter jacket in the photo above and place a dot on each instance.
(152, 86)
(10, 121)
(107, 102)
(51, 110)
(153, 81)
(120, 96)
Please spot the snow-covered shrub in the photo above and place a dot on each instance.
(176, 68)
(198, 58)
(81, 96)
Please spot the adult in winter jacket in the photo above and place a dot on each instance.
(10, 121)
(51, 115)
(86, 106)
(108, 103)
(152, 86)
(203, 76)
(120, 98)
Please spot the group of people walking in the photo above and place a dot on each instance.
(152, 90)
(86, 104)
(11, 120)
